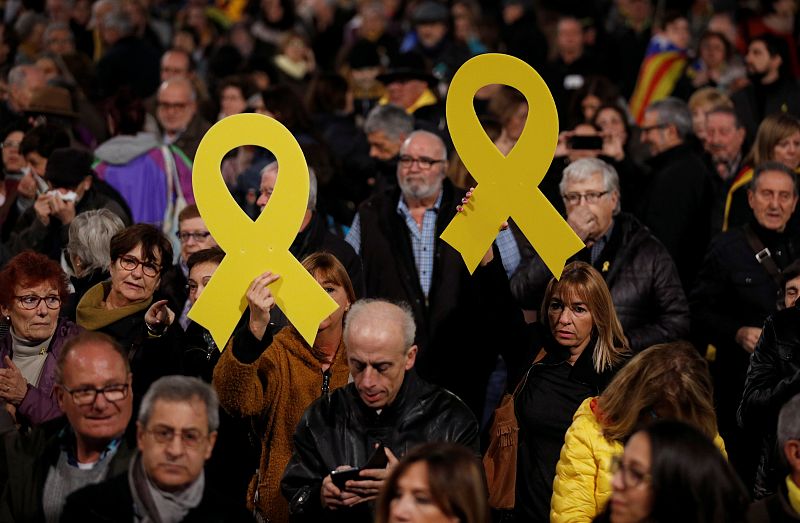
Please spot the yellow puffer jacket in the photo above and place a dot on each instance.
(583, 474)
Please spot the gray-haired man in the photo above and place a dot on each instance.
(176, 432)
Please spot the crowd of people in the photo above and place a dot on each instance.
(654, 379)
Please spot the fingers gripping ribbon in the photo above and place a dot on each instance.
(253, 247)
(507, 185)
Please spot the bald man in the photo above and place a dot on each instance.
(386, 410)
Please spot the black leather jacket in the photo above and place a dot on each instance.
(772, 379)
(340, 430)
(641, 276)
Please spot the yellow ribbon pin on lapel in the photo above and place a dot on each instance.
(507, 185)
(254, 247)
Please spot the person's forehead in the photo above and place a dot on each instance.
(376, 341)
(794, 282)
(179, 414)
(176, 92)
(757, 46)
(592, 181)
(91, 361)
(423, 143)
(721, 119)
(193, 224)
(269, 175)
(175, 59)
(775, 180)
(202, 269)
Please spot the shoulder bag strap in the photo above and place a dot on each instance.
(763, 256)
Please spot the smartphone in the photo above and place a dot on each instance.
(378, 460)
(586, 142)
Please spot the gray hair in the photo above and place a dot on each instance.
(675, 112)
(435, 137)
(394, 121)
(120, 21)
(789, 422)
(772, 166)
(312, 183)
(27, 22)
(583, 169)
(90, 236)
(383, 312)
(180, 389)
(18, 75)
(52, 27)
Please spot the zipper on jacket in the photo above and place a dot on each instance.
(326, 382)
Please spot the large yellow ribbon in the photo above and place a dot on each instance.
(252, 248)
(507, 185)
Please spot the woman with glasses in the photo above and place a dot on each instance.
(123, 306)
(667, 381)
(671, 471)
(580, 349)
(32, 289)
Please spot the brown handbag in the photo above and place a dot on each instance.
(500, 459)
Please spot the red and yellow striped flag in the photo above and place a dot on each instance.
(657, 78)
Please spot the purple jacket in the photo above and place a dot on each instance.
(39, 404)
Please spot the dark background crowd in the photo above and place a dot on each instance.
(656, 372)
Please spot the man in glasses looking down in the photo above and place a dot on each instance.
(93, 389)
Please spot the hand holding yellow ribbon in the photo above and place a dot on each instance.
(251, 248)
(507, 185)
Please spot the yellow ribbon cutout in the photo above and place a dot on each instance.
(507, 185)
(254, 247)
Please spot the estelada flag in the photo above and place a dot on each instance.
(657, 78)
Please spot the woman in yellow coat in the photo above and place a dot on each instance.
(667, 381)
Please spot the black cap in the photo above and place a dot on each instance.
(430, 13)
(68, 167)
(408, 66)
(363, 54)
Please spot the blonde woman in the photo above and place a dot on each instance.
(667, 381)
(580, 348)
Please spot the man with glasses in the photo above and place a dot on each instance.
(176, 432)
(640, 273)
(676, 199)
(176, 111)
(93, 390)
(397, 233)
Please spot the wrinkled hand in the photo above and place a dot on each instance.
(64, 211)
(43, 208)
(583, 222)
(13, 386)
(159, 316)
(489, 256)
(368, 488)
(261, 301)
(330, 496)
(747, 337)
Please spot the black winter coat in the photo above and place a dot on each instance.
(449, 356)
(112, 502)
(641, 276)
(341, 430)
(772, 379)
(774, 509)
(676, 207)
